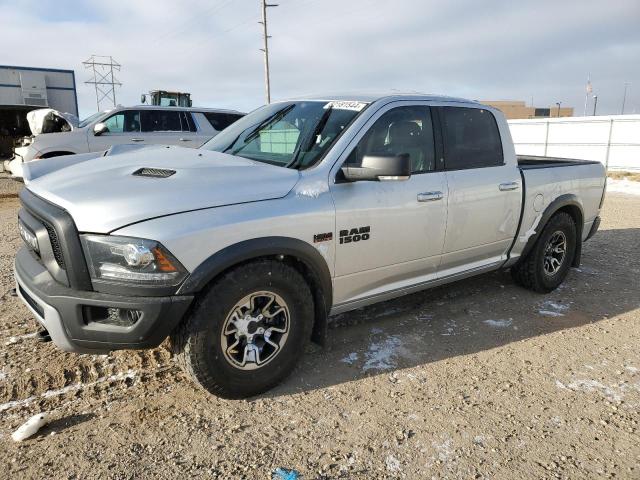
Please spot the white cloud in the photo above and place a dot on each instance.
(480, 50)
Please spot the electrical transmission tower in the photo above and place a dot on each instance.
(103, 78)
(266, 47)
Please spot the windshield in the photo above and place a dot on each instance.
(88, 120)
(287, 134)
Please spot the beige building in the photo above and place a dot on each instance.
(515, 109)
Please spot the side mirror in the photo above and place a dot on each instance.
(380, 168)
(143, 98)
(99, 129)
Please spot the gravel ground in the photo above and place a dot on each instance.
(8, 188)
(480, 379)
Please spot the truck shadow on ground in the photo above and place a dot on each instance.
(471, 316)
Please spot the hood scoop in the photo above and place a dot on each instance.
(153, 172)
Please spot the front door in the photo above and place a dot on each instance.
(389, 234)
(122, 127)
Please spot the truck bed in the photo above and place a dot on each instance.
(529, 162)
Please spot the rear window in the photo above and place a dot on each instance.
(160, 121)
(471, 138)
(220, 121)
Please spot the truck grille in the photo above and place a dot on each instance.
(64, 259)
(55, 244)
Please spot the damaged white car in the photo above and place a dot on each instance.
(55, 133)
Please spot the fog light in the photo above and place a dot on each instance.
(119, 317)
(123, 317)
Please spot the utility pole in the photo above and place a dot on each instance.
(589, 89)
(624, 97)
(266, 37)
(595, 104)
(558, 104)
(103, 79)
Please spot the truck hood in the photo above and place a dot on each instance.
(103, 194)
(48, 120)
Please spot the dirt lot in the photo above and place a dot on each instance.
(480, 379)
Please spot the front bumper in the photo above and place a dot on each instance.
(70, 317)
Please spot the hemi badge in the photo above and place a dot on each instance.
(322, 237)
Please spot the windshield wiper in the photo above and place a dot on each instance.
(311, 139)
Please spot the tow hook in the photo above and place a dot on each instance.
(43, 336)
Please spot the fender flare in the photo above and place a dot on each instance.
(566, 200)
(256, 248)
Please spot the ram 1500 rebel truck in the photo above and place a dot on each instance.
(241, 250)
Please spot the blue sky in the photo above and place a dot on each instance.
(476, 49)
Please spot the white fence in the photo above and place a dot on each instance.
(613, 140)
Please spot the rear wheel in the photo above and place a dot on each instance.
(248, 330)
(547, 264)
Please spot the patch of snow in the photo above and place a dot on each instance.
(444, 449)
(381, 355)
(631, 369)
(499, 323)
(555, 306)
(128, 375)
(623, 186)
(12, 340)
(612, 393)
(3, 376)
(552, 309)
(479, 440)
(312, 189)
(350, 359)
(392, 463)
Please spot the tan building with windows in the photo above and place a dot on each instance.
(516, 109)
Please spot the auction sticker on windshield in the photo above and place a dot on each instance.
(346, 105)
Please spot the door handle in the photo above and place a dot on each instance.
(137, 139)
(505, 187)
(185, 139)
(430, 196)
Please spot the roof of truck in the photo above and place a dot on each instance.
(376, 96)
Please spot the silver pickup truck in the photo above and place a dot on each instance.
(242, 249)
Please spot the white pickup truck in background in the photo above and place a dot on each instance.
(54, 134)
(241, 249)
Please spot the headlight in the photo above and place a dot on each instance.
(131, 260)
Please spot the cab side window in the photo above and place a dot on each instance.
(471, 138)
(401, 130)
(161, 121)
(122, 122)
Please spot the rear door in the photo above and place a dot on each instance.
(389, 235)
(189, 137)
(484, 192)
(123, 127)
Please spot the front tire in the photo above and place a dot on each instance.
(547, 264)
(247, 332)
